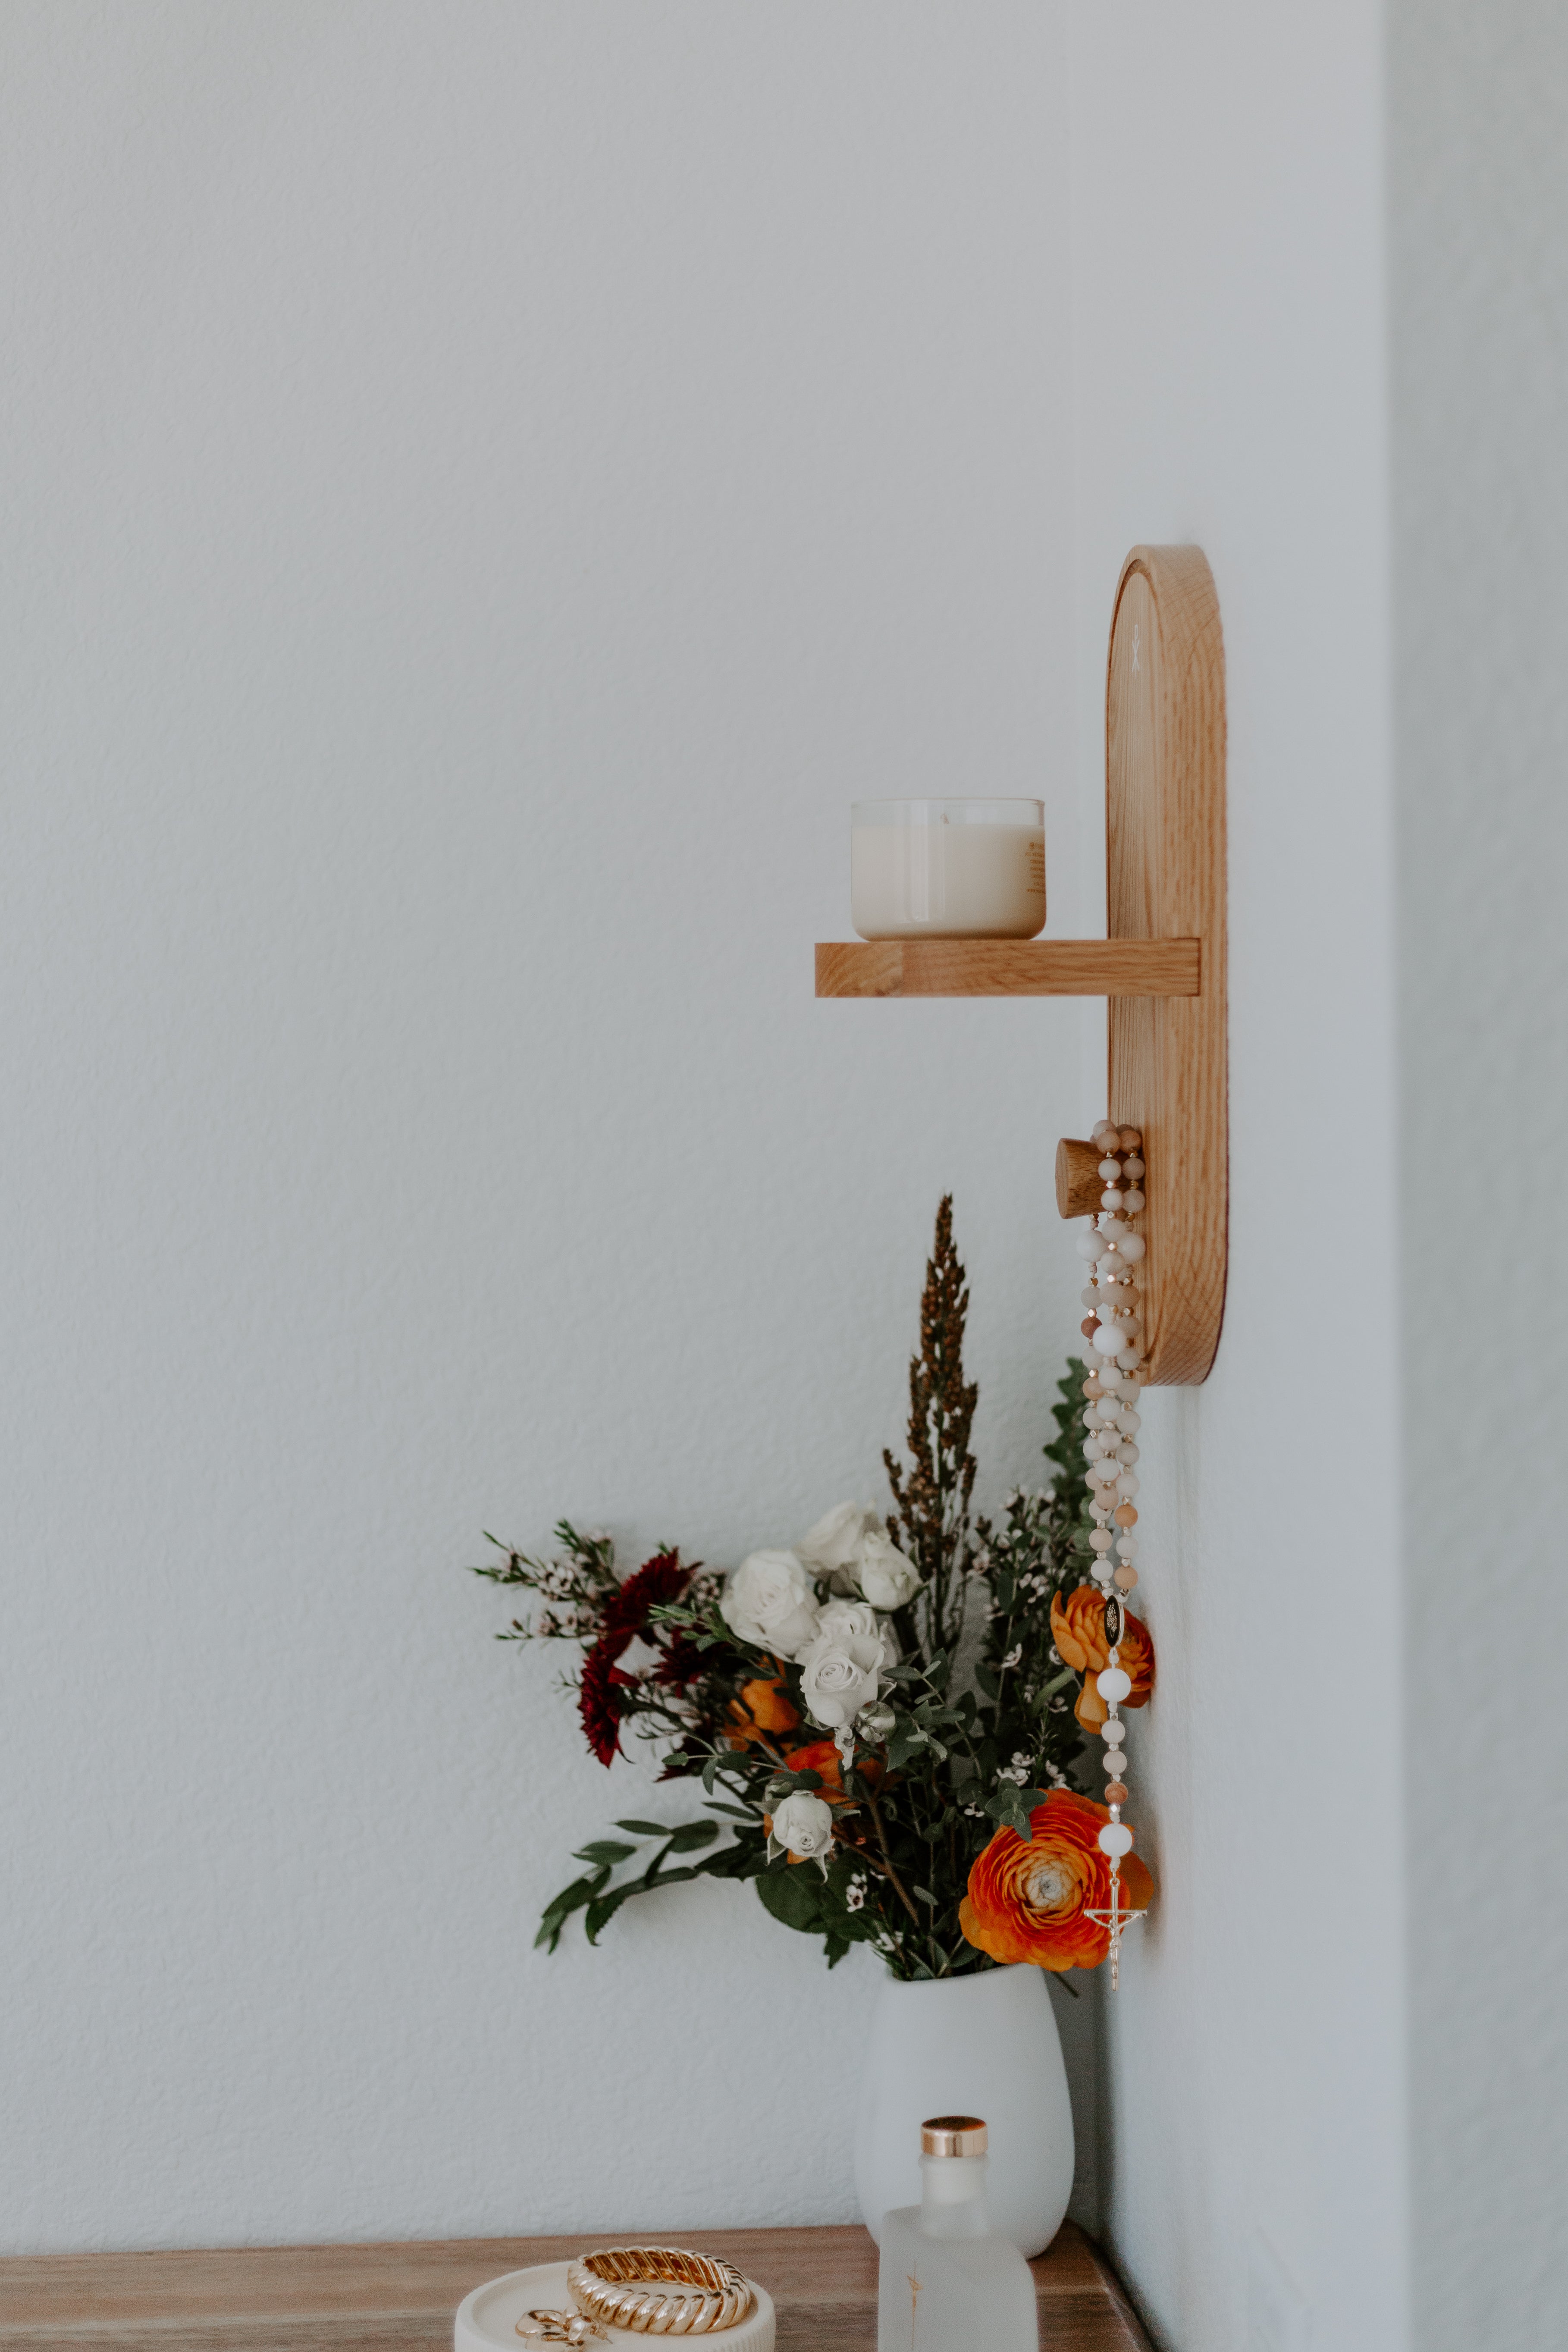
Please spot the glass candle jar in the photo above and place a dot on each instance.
(947, 869)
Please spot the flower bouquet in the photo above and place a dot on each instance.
(884, 1718)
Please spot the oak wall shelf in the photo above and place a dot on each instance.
(1009, 967)
(1162, 964)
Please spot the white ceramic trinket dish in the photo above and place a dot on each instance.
(487, 2319)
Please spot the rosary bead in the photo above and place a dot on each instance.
(1126, 1546)
(1134, 1168)
(1089, 1244)
(1127, 1484)
(1125, 1579)
(1129, 1357)
(1132, 1200)
(1131, 1138)
(1127, 1516)
(1109, 1169)
(1128, 1418)
(1113, 1684)
(1089, 1327)
(1092, 1388)
(1089, 1296)
(1106, 1134)
(1115, 1839)
(1103, 1337)
(1131, 1246)
(1127, 1451)
(1100, 1539)
(1112, 1732)
(1116, 1793)
(1112, 1197)
(1107, 1264)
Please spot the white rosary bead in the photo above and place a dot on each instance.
(1114, 1762)
(1089, 1244)
(1134, 1168)
(1126, 1546)
(1114, 1684)
(1107, 1134)
(1129, 1357)
(1109, 1169)
(1110, 1730)
(1108, 1265)
(1127, 1484)
(1100, 1540)
(1114, 1839)
(1131, 1247)
(1112, 1197)
(1129, 1419)
(1106, 1342)
(1127, 1451)
(1132, 1200)
(1114, 1230)
(1089, 1296)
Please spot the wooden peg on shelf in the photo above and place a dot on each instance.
(1078, 1181)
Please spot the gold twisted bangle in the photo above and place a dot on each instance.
(627, 2286)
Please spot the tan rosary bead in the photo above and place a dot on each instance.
(1126, 1516)
(1116, 1793)
(1125, 1579)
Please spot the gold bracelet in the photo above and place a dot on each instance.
(625, 2285)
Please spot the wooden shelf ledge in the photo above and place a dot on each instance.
(1009, 967)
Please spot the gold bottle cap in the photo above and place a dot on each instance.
(953, 2135)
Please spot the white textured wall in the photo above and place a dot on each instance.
(484, 486)
(1229, 326)
(1480, 187)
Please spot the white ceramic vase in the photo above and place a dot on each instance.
(984, 2046)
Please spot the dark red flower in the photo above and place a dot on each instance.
(658, 1580)
(600, 1700)
(680, 1664)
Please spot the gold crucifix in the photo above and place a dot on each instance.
(1115, 1918)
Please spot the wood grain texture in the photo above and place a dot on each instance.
(402, 2298)
(1145, 967)
(1165, 863)
(1078, 1181)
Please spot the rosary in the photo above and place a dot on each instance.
(1114, 1329)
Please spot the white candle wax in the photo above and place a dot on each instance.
(947, 869)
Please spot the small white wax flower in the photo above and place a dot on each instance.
(770, 1600)
(804, 1825)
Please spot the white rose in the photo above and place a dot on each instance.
(840, 1672)
(804, 1825)
(857, 1619)
(887, 1579)
(768, 1600)
(845, 1619)
(833, 1545)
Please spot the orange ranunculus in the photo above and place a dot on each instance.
(1090, 1709)
(1077, 1629)
(822, 1758)
(761, 1710)
(1029, 1901)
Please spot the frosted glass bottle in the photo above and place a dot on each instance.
(946, 2281)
